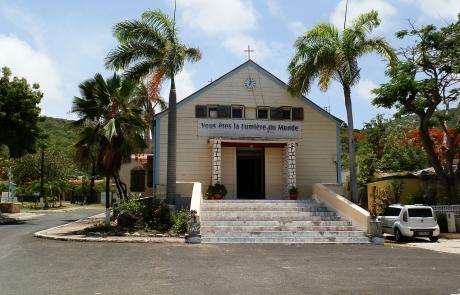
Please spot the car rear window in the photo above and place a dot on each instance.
(420, 212)
(390, 211)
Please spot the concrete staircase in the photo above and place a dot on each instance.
(274, 221)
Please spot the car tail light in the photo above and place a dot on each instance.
(405, 216)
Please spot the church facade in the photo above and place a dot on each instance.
(246, 131)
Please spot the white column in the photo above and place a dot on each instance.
(216, 160)
(289, 159)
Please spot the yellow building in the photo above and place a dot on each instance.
(246, 131)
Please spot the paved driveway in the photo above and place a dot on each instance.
(37, 266)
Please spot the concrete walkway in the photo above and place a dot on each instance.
(71, 232)
(443, 245)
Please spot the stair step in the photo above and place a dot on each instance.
(286, 240)
(269, 218)
(240, 201)
(266, 208)
(266, 213)
(275, 223)
(263, 228)
(284, 234)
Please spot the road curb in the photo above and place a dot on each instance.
(48, 234)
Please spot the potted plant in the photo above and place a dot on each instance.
(216, 191)
(293, 193)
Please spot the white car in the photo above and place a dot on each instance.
(410, 221)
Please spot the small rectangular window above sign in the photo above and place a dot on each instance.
(212, 111)
(237, 112)
(201, 111)
(263, 113)
(297, 114)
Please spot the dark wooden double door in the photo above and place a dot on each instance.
(250, 173)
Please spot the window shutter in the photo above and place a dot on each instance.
(137, 181)
(276, 114)
(297, 114)
(201, 111)
(224, 111)
(149, 171)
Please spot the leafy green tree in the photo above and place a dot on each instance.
(19, 114)
(110, 119)
(426, 79)
(400, 153)
(59, 165)
(325, 54)
(150, 48)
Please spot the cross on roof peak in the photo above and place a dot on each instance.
(249, 50)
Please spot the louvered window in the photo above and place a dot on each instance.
(137, 181)
(297, 114)
(201, 111)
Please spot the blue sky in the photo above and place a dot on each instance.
(61, 43)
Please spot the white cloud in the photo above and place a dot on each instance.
(25, 21)
(364, 88)
(274, 8)
(34, 65)
(297, 27)
(386, 11)
(215, 17)
(237, 44)
(184, 85)
(438, 9)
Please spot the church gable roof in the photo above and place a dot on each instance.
(269, 75)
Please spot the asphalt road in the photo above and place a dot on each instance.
(30, 265)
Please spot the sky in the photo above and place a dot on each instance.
(59, 44)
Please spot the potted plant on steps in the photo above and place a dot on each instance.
(293, 193)
(216, 191)
(374, 228)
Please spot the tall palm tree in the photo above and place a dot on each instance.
(324, 53)
(150, 48)
(111, 119)
(149, 107)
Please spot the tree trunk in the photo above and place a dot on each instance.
(92, 197)
(446, 179)
(172, 132)
(107, 200)
(351, 144)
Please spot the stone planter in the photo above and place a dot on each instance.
(10, 207)
(374, 228)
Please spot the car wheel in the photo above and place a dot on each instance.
(434, 239)
(398, 236)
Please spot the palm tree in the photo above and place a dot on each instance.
(150, 49)
(149, 107)
(324, 53)
(110, 119)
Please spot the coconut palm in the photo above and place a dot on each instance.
(150, 49)
(149, 108)
(325, 54)
(112, 120)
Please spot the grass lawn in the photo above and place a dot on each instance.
(65, 205)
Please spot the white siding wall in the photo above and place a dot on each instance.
(316, 149)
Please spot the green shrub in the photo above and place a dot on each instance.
(180, 220)
(131, 206)
(161, 217)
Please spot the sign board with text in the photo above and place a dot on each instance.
(249, 128)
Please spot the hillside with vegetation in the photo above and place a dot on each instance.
(60, 132)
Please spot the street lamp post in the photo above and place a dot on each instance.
(42, 171)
